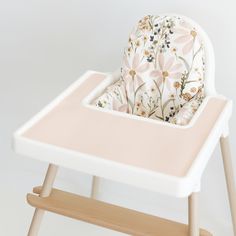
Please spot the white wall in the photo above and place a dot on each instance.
(44, 46)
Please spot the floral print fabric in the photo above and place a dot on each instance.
(162, 76)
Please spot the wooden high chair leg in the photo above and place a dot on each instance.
(46, 190)
(229, 175)
(94, 189)
(193, 217)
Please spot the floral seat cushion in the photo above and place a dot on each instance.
(162, 75)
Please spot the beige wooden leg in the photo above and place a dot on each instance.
(95, 185)
(229, 175)
(193, 217)
(46, 190)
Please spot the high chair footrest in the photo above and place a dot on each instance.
(107, 215)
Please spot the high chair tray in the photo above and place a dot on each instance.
(142, 152)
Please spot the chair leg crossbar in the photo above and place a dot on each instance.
(106, 215)
(117, 218)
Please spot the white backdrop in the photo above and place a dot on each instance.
(44, 46)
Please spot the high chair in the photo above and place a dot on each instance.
(153, 125)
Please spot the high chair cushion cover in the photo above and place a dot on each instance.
(162, 75)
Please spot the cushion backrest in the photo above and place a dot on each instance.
(163, 70)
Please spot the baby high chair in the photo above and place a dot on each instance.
(153, 125)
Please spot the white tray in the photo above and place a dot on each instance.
(146, 153)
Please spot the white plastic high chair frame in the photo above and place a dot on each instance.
(31, 140)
